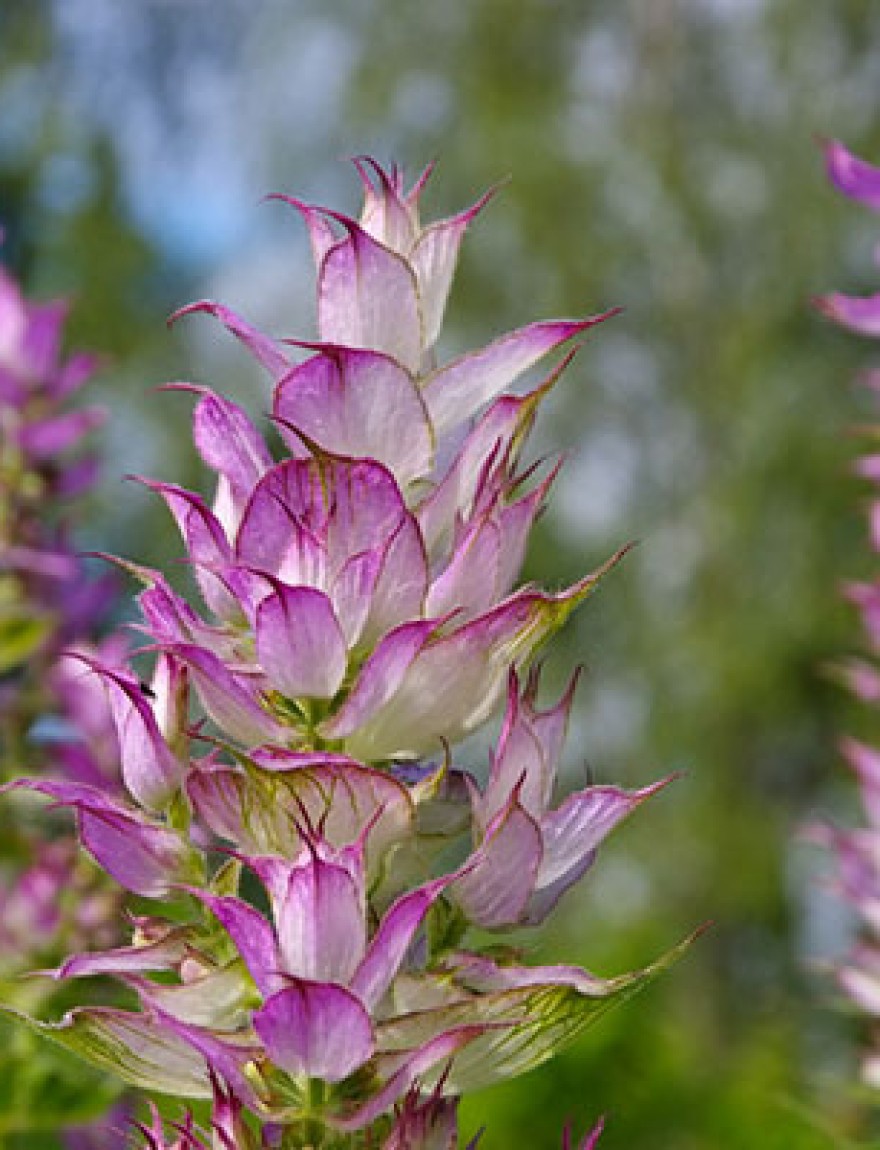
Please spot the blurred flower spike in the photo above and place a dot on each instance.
(856, 849)
(292, 791)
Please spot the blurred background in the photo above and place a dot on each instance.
(662, 156)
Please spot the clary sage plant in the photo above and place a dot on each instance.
(317, 871)
(857, 850)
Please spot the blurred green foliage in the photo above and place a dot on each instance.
(663, 158)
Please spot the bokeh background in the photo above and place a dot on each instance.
(662, 156)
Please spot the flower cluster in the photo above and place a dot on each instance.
(313, 865)
(856, 850)
(47, 605)
(52, 720)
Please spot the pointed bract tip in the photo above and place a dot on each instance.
(199, 305)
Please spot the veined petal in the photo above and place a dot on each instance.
(321, 922)
(228, 442)
(206, 542)
(402, 1071)
(169, 617)
(351, 593)
(265, 350)
(468, 585)
(499, 879)
(321, 234)
(401, 582)
(219, 1000)
(225, 1055)
(390, 943)
(521, 1027)
(386, 216)
(284, 523)
(367, 297)
(341, 796)
(150, 769)
(252, 934)
(495, 439)
(231, 700)
(581, 823)
(433, 258)
(549, 726)
(300, 645)
(380, 677)
(571, 836)
(528, 751)
(854, 177)
(315, 1029)
(518, 763)
(307, 519)
(361, 404)
(479, 974)
(170, 699)
(368, 509)
(454, 683)
(225, 800)
(163, 954)
(515, 522)
(459, 389)
(143, 856)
